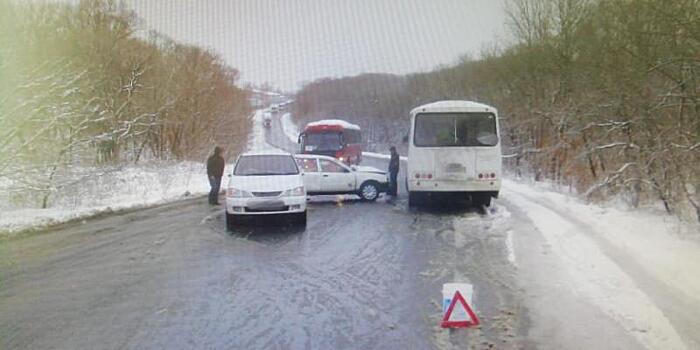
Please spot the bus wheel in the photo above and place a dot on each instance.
(481, 199)
(414, 199)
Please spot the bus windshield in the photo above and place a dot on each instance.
(327, 141)
(455, 130)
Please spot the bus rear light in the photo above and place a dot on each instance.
(417, 176)
(430, 176)
(481, 176)
(493, 175)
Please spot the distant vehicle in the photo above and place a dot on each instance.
(326, 175)
(454, 147)
(265, 183)
(267, 120)
(334, 138)
(274, 108)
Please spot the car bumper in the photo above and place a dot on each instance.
(454, 186)
(265, 206)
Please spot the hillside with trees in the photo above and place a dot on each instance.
(599, 95)
(84, 91)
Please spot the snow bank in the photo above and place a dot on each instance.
(381, 156)
(132, 186)
(289, 128)
(601, 248)
(128, 187)
(662, 243)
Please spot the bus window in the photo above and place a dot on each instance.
(434, 130)
(323, 142)
(455, 130)
(351, 136)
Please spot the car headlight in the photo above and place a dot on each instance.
(236, 193)
(294, 192)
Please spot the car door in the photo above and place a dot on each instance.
(310, 174)
(336, 177)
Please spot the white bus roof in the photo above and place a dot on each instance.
(339, 122)
(453, 106)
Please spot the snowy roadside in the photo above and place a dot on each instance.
(630, 264)
(130, 187)
(289, 128)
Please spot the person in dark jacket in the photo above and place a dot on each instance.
(394, 164)
(215, 171)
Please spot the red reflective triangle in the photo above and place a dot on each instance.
(471, 322)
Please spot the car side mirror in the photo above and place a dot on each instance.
(353, 167)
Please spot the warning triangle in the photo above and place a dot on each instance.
(459, 314)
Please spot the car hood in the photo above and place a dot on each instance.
(265, 183)
(369, 169)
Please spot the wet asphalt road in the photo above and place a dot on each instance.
(358, 276)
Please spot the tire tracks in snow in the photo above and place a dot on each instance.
(610, 279)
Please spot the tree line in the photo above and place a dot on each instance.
(84, 89)
(600, 95)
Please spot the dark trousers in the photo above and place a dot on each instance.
(215, 183)
(393, 186)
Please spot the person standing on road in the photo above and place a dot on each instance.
(215, 170)
(394, 164)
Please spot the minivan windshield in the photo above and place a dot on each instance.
(260, 165)
(455, 130)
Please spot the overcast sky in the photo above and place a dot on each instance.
(286, 42)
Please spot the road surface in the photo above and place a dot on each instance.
(358, 276)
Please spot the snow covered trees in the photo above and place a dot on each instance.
(601, 95)
(83, 89)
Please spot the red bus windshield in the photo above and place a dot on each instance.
(324, 141)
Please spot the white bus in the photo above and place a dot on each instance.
(454, 147)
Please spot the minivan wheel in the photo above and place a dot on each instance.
(300, 218)
(369, 191)
(230, 223)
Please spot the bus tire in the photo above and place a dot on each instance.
(414, 199)
(481, 199)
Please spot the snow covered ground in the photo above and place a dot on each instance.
(130, 187)
(634, 267)
(289, 128)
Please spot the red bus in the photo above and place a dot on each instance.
(333, 137)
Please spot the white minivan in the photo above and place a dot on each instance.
(454, 147)
(265, 183)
